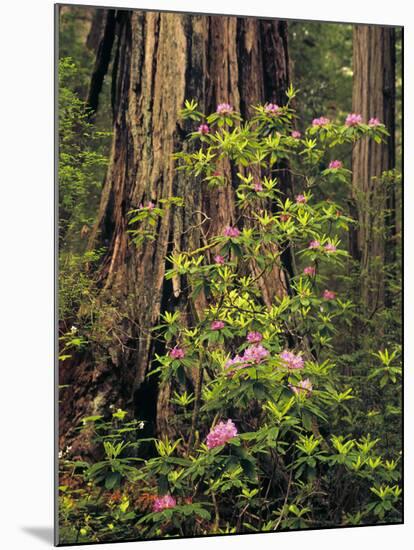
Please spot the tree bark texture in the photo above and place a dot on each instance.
(373, 96)
(161, 59)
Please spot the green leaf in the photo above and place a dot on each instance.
(307, 420)
(259, 391)
(91, 418)
(248, 468)
(162, 485)
(204, 514)
(181, 375)
(112, 480)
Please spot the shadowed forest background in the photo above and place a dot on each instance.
(294, 219)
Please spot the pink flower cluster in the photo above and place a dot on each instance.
(150, 206)
(217, 325)
(300, 199)
(255, 354)
(321, 121)
(224, 109)
(335, 164)
(164, 502)
(271, 108)
(353, 119)
(329, 295)
(221, 433)
(231, 232)
(254, 337)
(177, 353)
(304, 386)
(309, 270)
(219, 259)
(258, 186)
(296, 134)
(329, 247)
(204, 129)
(374, 122)
(237, 363)
(291, 360)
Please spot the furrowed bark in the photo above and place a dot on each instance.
(373, 96)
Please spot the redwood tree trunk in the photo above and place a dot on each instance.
(159, 61)
(101, 37)
(99, 19)
(373, 96)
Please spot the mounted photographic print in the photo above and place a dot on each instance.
(229, 197)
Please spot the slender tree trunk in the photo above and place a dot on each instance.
(373, 96)
(101, 37)
(96, 29)
(159, 61)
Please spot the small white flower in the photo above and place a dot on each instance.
(60, 455)
(73, 329)
(141, 425)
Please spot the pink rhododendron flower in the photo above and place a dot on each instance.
(203, 129)
(232, 365)
(255, 354)
(321, 121)
(224, 109)
(285, 217)
(219, 259)
(291, 361)
(177, 353)
(374, 122)
(258, 186)
(314, 244)
(309, 270)
(164, 502)
(296, 134)
(254, 337)
(217, 325)
(329, 247)
(150, 206)
(329, 295)
(237, 360)
(271, 108)
(300, 199)
(335, 164)
(304, 386)
(353, 119)
(221, 433)
(231, 232)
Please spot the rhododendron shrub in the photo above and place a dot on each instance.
(260, 433)
(261, 437)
